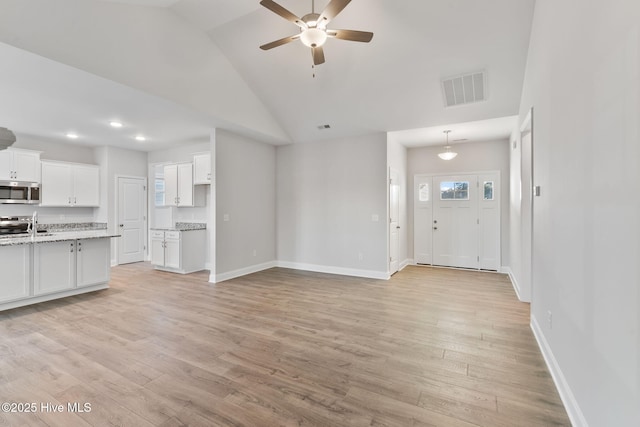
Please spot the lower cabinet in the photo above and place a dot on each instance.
(60, 266)
(178, 251)
(15, 264)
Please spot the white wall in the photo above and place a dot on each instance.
(397, 160)
(583, 80)
(115, 162)
(472, 157)
(327, 193)
(246, 193)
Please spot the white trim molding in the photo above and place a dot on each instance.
(514, 282)
(216, 278)
(405, 263)
(369, 274)
(568, 399)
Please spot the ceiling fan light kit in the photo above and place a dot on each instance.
(313, 28)
(447, 154)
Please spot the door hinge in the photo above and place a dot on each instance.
(478, 258)
(478, 221)
(145, 247)
(144, 187)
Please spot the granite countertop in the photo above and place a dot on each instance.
(183, 226)
(58, 236)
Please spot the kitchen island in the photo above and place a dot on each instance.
(53, 265)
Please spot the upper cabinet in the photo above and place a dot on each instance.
(202, 168)
(19, 165)
(178, 186)
(70, 184)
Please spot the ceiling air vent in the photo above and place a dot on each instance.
(465, 89)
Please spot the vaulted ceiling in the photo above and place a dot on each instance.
(202, 56)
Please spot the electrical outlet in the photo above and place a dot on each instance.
(550, 319)
(225, 217)
(255, 252)
(360, 256)
(375, 218)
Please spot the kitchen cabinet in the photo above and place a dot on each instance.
(15, 264)
(54, 267)
(178, 186)
(178, 251)
(70, 184)
(60, 266)
(202, 168)
(19, 165)
(93, 262)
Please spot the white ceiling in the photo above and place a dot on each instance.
(389, 85)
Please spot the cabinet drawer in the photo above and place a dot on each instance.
(157, 234)
(172, 235)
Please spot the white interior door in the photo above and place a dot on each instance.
(455, 221)
(394, 226)
(423, 220)
(132, 196)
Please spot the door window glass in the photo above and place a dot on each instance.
(454, 190)
(423, 192)
(488, 190)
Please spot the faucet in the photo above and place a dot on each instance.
(32, 225)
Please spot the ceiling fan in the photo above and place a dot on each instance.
(313, 28)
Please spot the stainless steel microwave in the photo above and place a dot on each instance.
(20, 192)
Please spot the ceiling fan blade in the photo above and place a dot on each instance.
(279, 10)
(318, 55)
(280, 42)
(351, 35)
(333, 8)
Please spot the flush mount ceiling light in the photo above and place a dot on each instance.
(447, 154)
(72, 135)
(313, 28)
(140, 138)
(115, 124)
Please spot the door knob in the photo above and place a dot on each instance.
(398, 227)
(435, 228)
(121, 225)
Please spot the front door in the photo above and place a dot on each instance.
(132, 198)
(455, 221)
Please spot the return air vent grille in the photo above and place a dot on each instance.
(465, 89)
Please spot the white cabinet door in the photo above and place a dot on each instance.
(6, 165)
(171, 185)
(86, 185)
(202, 169)
(27, 165)
(185, 184)
(172, 255)
(157, 248)
(15, 266)
(93, 261)
(54, 267)
(56, 185)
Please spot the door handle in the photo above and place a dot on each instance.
(435, 228)
(121, 225)
(398, 227)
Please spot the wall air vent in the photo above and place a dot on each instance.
(465, 89)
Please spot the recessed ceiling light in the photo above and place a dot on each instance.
(115, 124)
(72, 135)
(140, 138)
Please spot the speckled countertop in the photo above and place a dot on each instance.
(70, 233)
(184, 226)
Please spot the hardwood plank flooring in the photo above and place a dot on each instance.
(430, 347)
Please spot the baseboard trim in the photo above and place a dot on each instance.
(566, 395)
(334, 270)
(241, 272)
(514, 282)
(405, 263)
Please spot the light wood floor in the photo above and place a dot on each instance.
(430, 347)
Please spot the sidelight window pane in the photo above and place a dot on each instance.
(488, 190)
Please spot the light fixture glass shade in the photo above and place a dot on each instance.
(447, 154)
(313, 37)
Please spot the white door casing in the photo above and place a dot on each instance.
(132, 226)
(394, 225)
